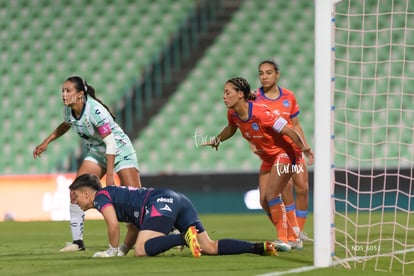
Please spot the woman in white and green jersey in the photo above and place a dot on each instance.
(110, 149)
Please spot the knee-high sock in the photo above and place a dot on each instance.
(278, 212)
(293, 226)
(231, 246)
(301, 216)
(160, 244)
(77, 219)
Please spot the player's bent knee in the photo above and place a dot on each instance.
(140, 252)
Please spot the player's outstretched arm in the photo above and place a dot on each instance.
(298, 128)
(59, 131)
(297, 139)
(225, 134)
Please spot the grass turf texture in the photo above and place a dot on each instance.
(31, 248)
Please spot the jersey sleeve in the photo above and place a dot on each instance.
(271, 121)
(102, 200)
(295, 106)
(279, 124)
(100, 119)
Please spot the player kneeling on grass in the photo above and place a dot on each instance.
(151, 214)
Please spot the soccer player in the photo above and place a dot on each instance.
(151, 214)
(283, 103)
(110, 149)
(266, 132)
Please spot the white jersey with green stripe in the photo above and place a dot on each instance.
(95, 123)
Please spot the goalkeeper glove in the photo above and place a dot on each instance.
(123, 250)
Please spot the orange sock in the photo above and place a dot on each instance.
(278, 213)
(301, 216)
(293, 226)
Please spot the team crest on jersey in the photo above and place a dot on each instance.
(286, 103)
(86, 123)
(255, 126)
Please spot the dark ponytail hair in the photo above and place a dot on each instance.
(240, 84)
(82, 85)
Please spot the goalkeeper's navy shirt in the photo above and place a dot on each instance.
(139, 205)
(127, 201)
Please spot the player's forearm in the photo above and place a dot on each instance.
(130, 236)
(113, 235)
(226, 133)
(296, 138)
(58, 132)
(110, 163)
(110, 152)
(299, 130)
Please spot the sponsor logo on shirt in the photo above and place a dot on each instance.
(167, 200)
(276, 112)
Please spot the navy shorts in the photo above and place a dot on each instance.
(167, 209)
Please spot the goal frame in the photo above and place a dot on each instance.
(323, 134)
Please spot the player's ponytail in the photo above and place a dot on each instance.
(82, 85)
(252, 96)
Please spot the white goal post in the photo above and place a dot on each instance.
(323, 213)
(363, 133)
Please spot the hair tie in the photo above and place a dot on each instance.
(85, 86)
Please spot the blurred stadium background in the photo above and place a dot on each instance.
(161, 66)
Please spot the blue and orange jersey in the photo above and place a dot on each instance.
(262, 129)
(285, 105)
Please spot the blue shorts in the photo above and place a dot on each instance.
(167, 209)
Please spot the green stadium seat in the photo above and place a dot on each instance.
(236, 52)
(42, 52)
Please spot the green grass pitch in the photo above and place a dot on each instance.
(31, 248)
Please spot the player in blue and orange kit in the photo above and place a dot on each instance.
(110, 149)
(151, 214)
(283, 103)
(266, 132)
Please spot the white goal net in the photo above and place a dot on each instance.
(373, 125)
